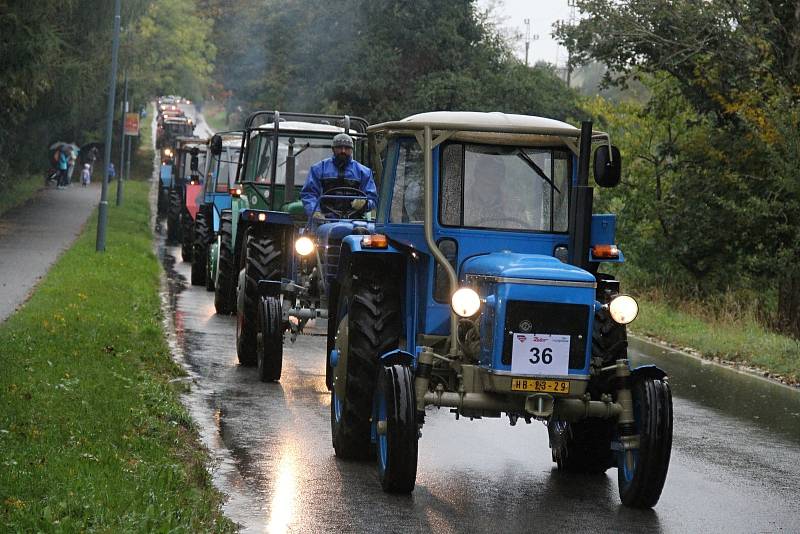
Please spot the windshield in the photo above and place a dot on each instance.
(505, 188)
(222, 170)
(306, 150)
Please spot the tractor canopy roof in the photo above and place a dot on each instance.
(299, 126)
(493, 127)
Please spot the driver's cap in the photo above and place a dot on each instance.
(343, 139)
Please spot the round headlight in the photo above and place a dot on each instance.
(465, 302)
(623, 309)
(304, 246)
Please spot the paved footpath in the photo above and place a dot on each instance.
(34, 235)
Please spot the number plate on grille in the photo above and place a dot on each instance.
(540, 354)
(546, 386)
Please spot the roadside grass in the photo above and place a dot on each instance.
(17, 192)
(729, 338)
(92, 435)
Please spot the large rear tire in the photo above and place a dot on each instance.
(369, 325)
(174, 216)
(262, 262)
(200, 249)
(641, 473)
(225, 287)
(394, 426)
(270, 341)
(187, 235)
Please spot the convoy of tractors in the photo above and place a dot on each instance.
(476, 284)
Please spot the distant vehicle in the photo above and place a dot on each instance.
(480, 290)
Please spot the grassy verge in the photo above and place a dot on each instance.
(19, 191)
(732, 340)
(92, 436)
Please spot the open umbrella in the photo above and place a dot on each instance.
(57, 145)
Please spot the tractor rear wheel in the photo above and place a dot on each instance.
(641, 472)
(369, 325)
(394, 427)
(270, 340)
(187, 235)
(200, 249)
(173, 216)
(225, 286)
(262, 262)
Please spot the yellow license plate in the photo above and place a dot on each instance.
(544, 386)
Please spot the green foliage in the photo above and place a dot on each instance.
(729, 180)
(55, 68)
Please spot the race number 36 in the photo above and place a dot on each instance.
(544, 354)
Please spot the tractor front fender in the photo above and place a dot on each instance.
(353, 253)
(398, 356)
(648, 371)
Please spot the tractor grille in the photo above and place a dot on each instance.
(331, 258)
(549, 318)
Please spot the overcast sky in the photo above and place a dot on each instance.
(510, 15)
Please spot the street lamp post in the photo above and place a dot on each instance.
(122, 143)
(102, 212)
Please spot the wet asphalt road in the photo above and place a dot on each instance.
(735, 465)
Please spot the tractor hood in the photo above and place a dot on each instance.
(526, 266)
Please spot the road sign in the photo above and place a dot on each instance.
(132, 124)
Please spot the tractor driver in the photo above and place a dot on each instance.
(339, 171)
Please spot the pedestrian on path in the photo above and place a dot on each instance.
(73, 157)
(63, 165)
(86, 175)
(112, 173)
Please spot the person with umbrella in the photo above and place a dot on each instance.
(63, 167)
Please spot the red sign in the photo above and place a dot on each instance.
(131, 124)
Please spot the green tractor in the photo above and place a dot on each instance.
(256, 236)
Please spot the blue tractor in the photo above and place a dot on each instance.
(220, 177)
(480, 290)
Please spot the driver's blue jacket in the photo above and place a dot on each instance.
(324, 176)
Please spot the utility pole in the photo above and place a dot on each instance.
(571, 5)
(128, 164)
(122, 143)
(102, 211)
(529, 38)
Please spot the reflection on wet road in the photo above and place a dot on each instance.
(735, 467)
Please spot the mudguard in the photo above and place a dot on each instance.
(351, 246)
(271, 217)
(648, 371)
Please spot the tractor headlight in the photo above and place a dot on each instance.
(623, 309)
(465, 302)
(304, 246)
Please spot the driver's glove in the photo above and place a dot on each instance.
(318, 216)
(358, 203)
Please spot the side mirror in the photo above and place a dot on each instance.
(216, 145)
(607, 166)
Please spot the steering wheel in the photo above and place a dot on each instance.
(337, 193)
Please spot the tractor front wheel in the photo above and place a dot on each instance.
(394, 428)
(581, 446)
(641, 472)
(262, 262)
(270, 342)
